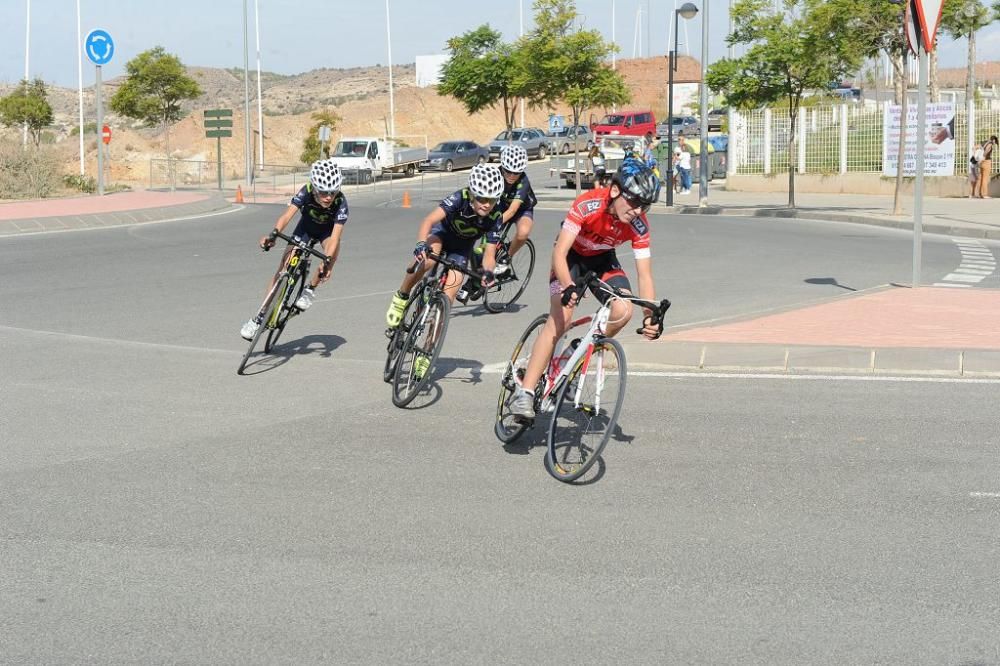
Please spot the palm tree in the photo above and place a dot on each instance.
(964, 18)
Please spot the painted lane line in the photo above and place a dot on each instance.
(987, 495)
(952, 285)
(128, 225)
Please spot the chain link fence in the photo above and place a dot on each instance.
(838, 138)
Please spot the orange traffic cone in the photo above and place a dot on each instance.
(406, 199)
(239, 194)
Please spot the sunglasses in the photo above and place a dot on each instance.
(486, 201)
(634, 204)
(321, 193)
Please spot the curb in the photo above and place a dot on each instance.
(699, 357)
(905, 224)
(212, 204)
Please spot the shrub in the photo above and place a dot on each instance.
(27, 174)
(85, 184)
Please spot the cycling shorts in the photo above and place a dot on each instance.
(307, 229)
(605, 265)
(454, 247)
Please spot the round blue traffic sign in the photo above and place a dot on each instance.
(99, 47)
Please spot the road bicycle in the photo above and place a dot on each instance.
(414, 345)
(583, 387)
(509, 284)
(279, 304)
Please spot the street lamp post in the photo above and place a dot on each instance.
(688, 11)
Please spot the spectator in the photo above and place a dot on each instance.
(682, 160)
(985, 168)
(973, 172)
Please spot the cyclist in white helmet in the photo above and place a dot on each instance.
(518, 199)
(323, 209)
(452, 229)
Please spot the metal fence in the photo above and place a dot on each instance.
(838, 138)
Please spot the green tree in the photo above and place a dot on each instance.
(559, 62)
(311, 148)
(480, 73)
(804, 48)
(155, 86)
(964, 18)
(27, 105)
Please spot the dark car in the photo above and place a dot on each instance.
(531, 139)
(715, 118)
(686, 124)
(450, 155)
(564, 140)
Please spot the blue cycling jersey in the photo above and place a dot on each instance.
(462, 220)
(316, 214)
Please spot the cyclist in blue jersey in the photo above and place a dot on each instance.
(452, 229)
(323, 209)
(518, 199)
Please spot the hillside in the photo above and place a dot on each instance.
(358, 95)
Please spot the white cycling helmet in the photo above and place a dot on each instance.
(325, 176)
(486, 181)
(513, 158)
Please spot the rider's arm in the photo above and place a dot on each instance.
(435, 216)
(559, 264)
(286, 217)
(511, 211)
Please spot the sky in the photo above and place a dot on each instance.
(210, 34)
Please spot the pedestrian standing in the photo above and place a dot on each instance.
(986, 168)
(973, 175)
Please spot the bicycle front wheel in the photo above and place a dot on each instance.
(271, 309)
(586, 412)
(511, 284)
(288, 309)
(398, 338)
(421, 349)
(507, 428)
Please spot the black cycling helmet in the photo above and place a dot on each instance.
(637, 181)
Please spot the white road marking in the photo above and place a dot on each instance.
(989, 495)
(978, 263)
(950, 284)
(130, 225)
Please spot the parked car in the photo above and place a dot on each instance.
(686, 124)
(715, 118)
(449, 155)
(564, 140)
(531, 139)
(631, 123)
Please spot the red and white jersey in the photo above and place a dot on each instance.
(597, 230)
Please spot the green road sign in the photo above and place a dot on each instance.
(218, 134)
(218, 113)
(219, 123)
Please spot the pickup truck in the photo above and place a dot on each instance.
(364, 158)
(613, 147)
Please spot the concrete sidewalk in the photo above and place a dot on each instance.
(94, 211)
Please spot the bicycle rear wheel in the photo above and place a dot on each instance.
(507, 428)
(509, 286)
(421, 349)
(288, 310)
(586, 412)
(398, 338)
(271, 311)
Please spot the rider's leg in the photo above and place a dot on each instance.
(524, 224)
(522, 402)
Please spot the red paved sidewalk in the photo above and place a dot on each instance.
(93, 204)
(926, 317)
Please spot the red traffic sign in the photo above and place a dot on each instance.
(106, 134)
(928, 17)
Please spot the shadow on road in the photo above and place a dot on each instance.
(830, 281)
(321, 345)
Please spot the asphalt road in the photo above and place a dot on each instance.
(156, 507)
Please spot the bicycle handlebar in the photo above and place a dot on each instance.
(447, 263)
(657, 310)
(301, 244)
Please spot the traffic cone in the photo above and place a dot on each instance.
(239, 194)
(406, 199)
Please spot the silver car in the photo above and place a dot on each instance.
(564, 140)
(531, 139)
(450, 155)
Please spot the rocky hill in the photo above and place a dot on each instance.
(358, 95)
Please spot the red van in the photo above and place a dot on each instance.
(629, 123)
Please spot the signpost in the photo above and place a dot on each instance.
(926, 15)
(99, 47)
(218, 126)
(106, 135)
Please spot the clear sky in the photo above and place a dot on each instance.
(299, 35)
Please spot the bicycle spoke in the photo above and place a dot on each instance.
(511, 285)
(506, 428)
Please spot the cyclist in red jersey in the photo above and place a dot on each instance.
(597, 223)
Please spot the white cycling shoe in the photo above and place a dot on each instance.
(249, 330)
(306, 299)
